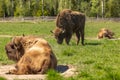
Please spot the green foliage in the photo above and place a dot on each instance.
(113, 8)
(2, 9)
(85, 7)
(95, 9)
(65, 4)
(92, 8)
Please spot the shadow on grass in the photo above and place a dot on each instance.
(62, 68)
(95, 44)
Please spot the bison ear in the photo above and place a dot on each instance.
(16, 40)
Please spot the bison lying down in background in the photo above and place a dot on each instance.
(67, 23)
(105, 33)
(33, 55)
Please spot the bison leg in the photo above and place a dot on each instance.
(82, 37)
(53, 62)
(13, 71)
(108, 35)
(67, 38)
(78, 37)
(45, 66)
(17, 71)
(22, 69)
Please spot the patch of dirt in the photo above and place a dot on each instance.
(6, 36)
(64, 70)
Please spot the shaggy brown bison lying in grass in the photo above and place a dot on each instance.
(67, 23)
(105, 33)
(35, 55)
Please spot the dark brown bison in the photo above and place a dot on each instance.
(105, 33)
(67, 23)
(37, 56)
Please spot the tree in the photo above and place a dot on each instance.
(92, 8)
(64, 4)
(95, 8)
(85, 7)
(112, 8)
(2, 8)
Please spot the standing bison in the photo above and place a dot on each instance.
(67, 23)
(34, 55)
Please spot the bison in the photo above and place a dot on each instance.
(13, 53)
(37, 56)
(67, 23)
(105, 33)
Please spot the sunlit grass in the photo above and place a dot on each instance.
(2, 78)
(97, 60)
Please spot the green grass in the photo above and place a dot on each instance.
(97, 60)
(2, 78)
(27, 28)
(52, 75)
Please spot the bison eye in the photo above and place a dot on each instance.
(12, 47)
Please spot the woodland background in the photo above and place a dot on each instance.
(36, 8)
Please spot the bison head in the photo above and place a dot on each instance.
(12, 52)
(18, 42)
(59, 34)
(14, 49)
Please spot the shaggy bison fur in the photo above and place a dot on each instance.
(105, 33)
(67, 23)
(12, 52)
(37, 56)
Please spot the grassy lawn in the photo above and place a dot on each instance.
(97, 60)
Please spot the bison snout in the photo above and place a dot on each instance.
(59, 42)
